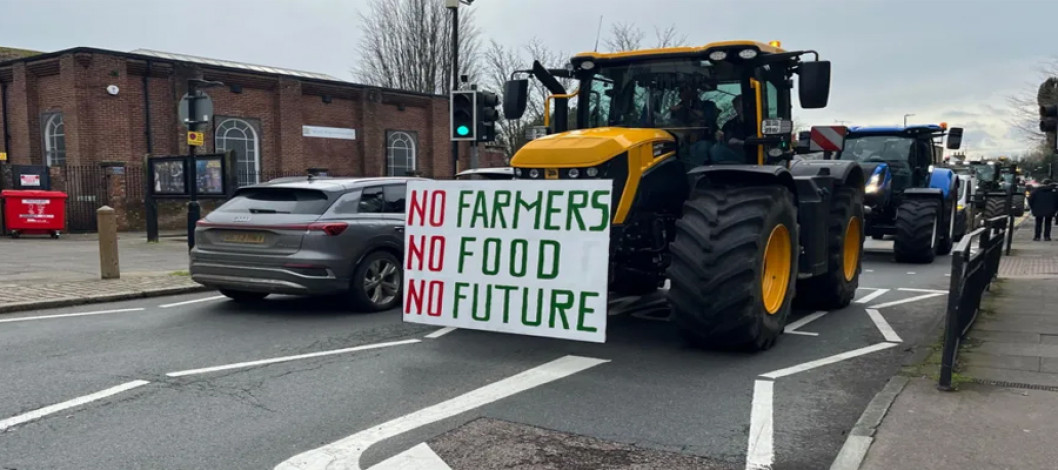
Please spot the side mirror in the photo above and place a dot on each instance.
(515, 98)
(954, 138)
(813, 87)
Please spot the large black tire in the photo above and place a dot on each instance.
(243, 297)
(717, 268)
(835, 289)
(1019, 205)
(376, 267)
(995, 206)
(917, 231)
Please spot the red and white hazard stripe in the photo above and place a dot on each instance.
(828, 138)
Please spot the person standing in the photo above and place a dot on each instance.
(1043, 202)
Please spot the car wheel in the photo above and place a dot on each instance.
(377, 283)
(243, 297)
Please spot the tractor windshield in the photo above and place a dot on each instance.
(877, 148)
(986, 172)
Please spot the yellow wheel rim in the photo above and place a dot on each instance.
(853, 234)
(775, 276)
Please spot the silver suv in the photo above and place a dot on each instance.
(306, 236)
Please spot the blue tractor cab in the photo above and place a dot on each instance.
(907, 194)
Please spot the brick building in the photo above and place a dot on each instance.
(80, 109)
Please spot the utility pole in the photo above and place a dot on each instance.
(194, 210)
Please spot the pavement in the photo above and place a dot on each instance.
(1005, 411)
(198, 381)
(40, 272)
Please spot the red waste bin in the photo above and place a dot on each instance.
(34, 212)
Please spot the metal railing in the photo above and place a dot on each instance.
(972, 271)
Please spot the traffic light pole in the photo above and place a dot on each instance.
(455, 76)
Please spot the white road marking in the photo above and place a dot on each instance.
(931, 291)
(761, 452)
(883, 326)
(868, 270)
(911, 272)
(873, 295)
(346, 452)
(420, 457)
(907, 300)
(441, 332)
(47, 410)
(67, 315)
(275, 360)
(792, 328)
(827, 360)
(195, 301)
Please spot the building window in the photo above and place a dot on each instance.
(400, 153)
(240, 136)
(54, 140)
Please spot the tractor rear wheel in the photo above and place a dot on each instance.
(994, 207)
(917, 231)
(1019, 205)
(836, 288)
(734, 266)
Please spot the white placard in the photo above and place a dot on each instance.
(29, 180)
(522, 257)
(329, 132)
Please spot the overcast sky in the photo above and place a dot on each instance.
(942, 60)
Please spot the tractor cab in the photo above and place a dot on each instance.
(909, 153)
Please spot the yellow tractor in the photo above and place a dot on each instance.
(697, 142)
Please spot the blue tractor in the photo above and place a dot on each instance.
(907, 195)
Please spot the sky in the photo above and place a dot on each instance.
(956, 61)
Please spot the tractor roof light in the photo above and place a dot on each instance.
(747, 54)
(944, 125)
(775, 44)
(718, 55)
(587, 65)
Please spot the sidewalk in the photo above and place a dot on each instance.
(45, 273)
(1005, 413)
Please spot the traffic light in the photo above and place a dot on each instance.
(463, 114)
(1049, 118)
(487, 115)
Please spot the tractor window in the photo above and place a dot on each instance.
(771, 101)
(877, 148)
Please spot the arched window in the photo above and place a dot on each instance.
(241, 137)
(54, 140)
(400, 153)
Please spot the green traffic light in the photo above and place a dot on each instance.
(463, 130)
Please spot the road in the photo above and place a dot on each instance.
(200, 382)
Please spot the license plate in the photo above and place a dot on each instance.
(551, 173)
(250, 238)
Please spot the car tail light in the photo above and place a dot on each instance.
(330, 228)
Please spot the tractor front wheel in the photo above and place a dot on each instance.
(734, 266)
(917, 231)
(836, 288)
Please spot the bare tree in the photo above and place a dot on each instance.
(1024, 116)
(629, 37)
(407, 45)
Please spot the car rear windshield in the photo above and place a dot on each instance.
(277, 201)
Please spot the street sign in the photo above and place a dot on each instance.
(483, 256)
(196, 139)
(828, 138)
(3, 156)
(203, 108)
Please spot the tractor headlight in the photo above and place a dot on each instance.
(534, 173)
(873, 184)
(592, 172)
(518, 172)
(573, 173)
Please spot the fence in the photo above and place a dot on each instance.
(86, 188)
(972, 273)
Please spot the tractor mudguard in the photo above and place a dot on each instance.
(846, 172)
(942, 179)
(741, 175)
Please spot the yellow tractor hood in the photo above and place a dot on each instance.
(583, 148)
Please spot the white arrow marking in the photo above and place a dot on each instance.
(930, 291)
(883, 326)
(346, 452)
(907, 300)
(420, 457)
(792, 328)
(761, 452)
(873, 295)
(441, 332)
(827, 360)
